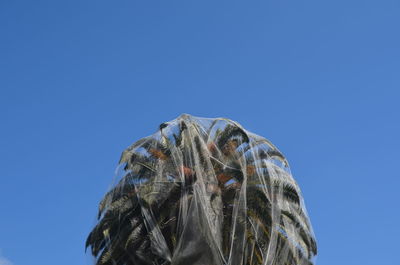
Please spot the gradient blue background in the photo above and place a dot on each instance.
(82, 80)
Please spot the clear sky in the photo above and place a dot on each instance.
(82, 80)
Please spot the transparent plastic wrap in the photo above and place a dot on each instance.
(203, 191)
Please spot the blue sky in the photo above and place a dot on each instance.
(82, 80)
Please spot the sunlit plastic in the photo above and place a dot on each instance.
(203, 191)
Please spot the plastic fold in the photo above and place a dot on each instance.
(203, 191)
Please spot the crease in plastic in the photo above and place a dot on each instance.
(203, 191)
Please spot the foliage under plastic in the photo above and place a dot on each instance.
(203, 192)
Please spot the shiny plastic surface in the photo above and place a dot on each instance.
(203, 191)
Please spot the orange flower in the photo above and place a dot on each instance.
(223, 178)
(158, 154)
(187, 171)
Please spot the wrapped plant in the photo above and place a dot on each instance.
(203, 192)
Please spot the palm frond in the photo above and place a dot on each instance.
(203, 191)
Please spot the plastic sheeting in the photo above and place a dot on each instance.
(203, 191)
